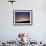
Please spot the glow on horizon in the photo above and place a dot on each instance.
(22, 18)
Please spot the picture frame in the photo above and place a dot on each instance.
(22, 17)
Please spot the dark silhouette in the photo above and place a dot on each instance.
(23, 22)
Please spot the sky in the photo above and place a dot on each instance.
(22, 16)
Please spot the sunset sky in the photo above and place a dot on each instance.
(22, 16)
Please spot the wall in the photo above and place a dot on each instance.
(38, 30)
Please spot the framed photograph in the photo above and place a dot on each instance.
(22, 17)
